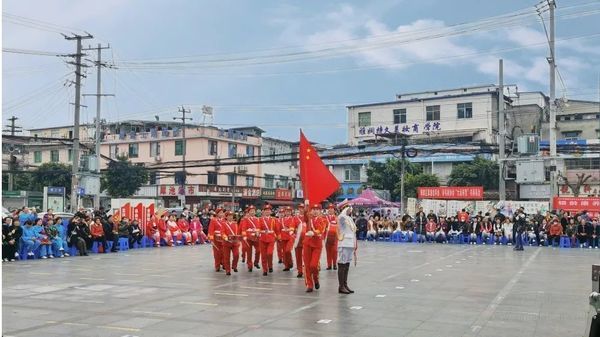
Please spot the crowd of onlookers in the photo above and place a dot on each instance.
(581, 229)
(27, 235)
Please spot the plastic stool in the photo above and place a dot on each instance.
(123, 243)
(95, 247)
(565, 242)
(73, 251)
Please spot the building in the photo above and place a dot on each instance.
(457, 115)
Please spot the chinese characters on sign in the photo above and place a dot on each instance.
(207, 190)
(407, 129)
(590, 204)
(283, 194)
(453, 192)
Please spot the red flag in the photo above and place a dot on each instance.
(318, 182)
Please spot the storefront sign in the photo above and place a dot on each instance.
(406, 129)
(451, 192)
(208, 191)
(267, 193)
(590, 204)
(283, 194)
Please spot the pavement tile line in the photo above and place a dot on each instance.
(426, 264)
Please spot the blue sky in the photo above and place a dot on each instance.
(309, 91)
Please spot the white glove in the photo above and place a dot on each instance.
(310, 233)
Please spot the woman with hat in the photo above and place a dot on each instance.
(331, 242)
(346, 248)
(215, 230)
(249, 230)
(316, 225)
(231, 244)
(299, 232)
(267, 227)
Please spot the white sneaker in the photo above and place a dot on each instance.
(67, 254)
(62, 255)
(590, 247)
(30, 254)
(44, 257)
(16, 255)
(51, 256)
(5, 260)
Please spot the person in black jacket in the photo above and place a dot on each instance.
(78, 231)
(582, 233)
(420, 222)
(135, 234)
(596, 233)
(11, 235)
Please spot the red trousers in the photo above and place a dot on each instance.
(247, 246)
(217, 247)
(288, 246)
(266, 255)
(312, 255)
(230, 250)
(198, 235)
(298, 251)
(331, 249)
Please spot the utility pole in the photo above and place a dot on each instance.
(78, 75)
(13, 128)
(183, 119)
(12, 165)
(403, 172)
(98, 95)
(233, 190)
(501, 132)
(552, 129)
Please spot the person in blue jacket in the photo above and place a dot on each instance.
(46, 243)
(63, 249)
(30, 239)
(26, 215)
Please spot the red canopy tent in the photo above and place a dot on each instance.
(368, 198)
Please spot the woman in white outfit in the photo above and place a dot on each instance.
(346, 248)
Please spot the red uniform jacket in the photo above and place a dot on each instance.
(296, 223)
(183, 225)
(229, 229)
(249, 227)
(287, 228)
(318, 226)
(195, 225)
(173, 227)
(162, 227)
(333, 225)
(430, 226)
(215, 229)
(151, 227)
(556, 229)
(97, 230)
(268, 229)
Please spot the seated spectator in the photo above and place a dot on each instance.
(409, 229)
(589, 232)
(441, 230)
(498, 230)
(55, 239)
(135, 233)
(174, 228)
(30, 239)
(474, 231)
(45, 241)
(543, 232)
(97, 231)
(11, 236)
(196, 230)
(507, 227)
(487, 230)
(79, 233)
(582, 232)
(62, 233)
(371, 229)
(453, 227)
(184, 227)
(152, 230)
(430, 229)
(596, 233)
(571, 231)
(555, 232)
(123, 229)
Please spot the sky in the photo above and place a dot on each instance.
(284, 65)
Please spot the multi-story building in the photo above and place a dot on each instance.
(456, 115)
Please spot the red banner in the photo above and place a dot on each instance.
(573, 204)
(451, 192)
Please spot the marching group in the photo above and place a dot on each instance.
(581, 229)
(302, 232)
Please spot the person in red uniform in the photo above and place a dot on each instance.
(331, 241)
(215, 230)
(174, 228)
(163, 229)
(316, 225)
(231, 243)
(267, 227)
(299, 232)
(184, 228)
(152, 230)
(249, 227)
(278, 243)
(196, 230)
(287, 237)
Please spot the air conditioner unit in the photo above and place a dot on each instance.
(528, 144)
(242, 169)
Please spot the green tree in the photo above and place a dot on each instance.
(413, 181)
(386, 176)
(50, 174)
(122, 178)
(479, 172)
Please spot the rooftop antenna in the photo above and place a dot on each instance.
(207, 114)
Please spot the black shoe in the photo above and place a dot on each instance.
(265, 274)
(243, 261)
(328, 268)
(270, 270)
(228, 274)
(317, 285)
(113, 250)
(309, 290)
(342, 290)
(300, 275)
(249, 270)
(235, 270)
(280, 261)
(217, 270)
(334, 267)
(256, 266)
(286, 269)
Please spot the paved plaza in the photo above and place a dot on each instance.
(401, 290)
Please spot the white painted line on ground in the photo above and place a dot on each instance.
(380, 296)
(200, 303)
(428, 275)
(257, 288)
(91, 278)
(126, 274)
(427, 263)
(156, 275)
(439, 269)
(232, 294)
(118, 328)
(274, 283)
(356, 307)
(324, 321)
(415, 251)
(399, 287)
(76, 324)
(152, 313)
(87, 301)
(448, 266)
(414, 280)
(51, 322)
(38, 273)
